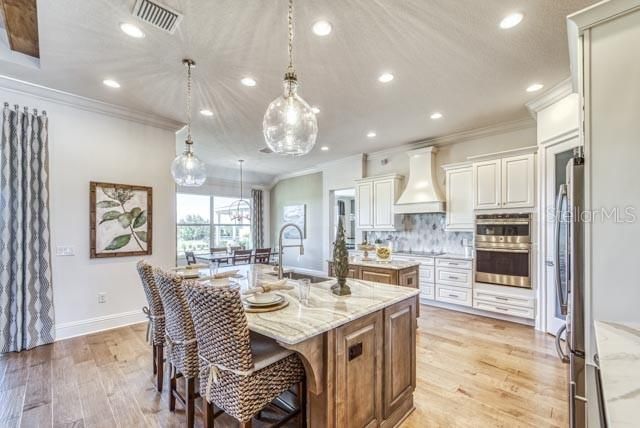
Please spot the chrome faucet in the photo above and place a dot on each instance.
(281, 247)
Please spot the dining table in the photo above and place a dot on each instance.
(338, 339)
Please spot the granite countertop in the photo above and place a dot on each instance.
(393, 264)
(325, 311)
(619, 356)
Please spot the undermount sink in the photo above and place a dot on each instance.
(297, 275)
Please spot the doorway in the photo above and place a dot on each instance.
(344, 207)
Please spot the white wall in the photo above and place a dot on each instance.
(559, 118)
(88, 146)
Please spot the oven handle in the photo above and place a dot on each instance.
(503, 250)
(501, 223)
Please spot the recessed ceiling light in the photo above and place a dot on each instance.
(535, 87)
(248, 81)
(322, 28)
(131, 30)
(385, 77)
(324, 148)
(511, 20)
(206, 112)
(371, 134)
(436, 115)
(315, 109)
(111, 83)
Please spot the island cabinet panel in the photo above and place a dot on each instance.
(409, 277)
(354, 271)
(399, 359)
(359, 359)
(382, 275)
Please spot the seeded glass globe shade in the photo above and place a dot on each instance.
(188, 170)
(290, 126)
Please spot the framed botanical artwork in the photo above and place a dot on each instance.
(120, 220)
(296, 214)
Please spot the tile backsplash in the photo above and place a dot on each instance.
(424, 232)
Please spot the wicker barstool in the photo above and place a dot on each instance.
(241, 373)
(155, 314)
(182, 349)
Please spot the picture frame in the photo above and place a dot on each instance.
(296, 214)
(120, 220)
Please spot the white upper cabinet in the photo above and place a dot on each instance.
(459, 190)
(364, 205)
(518, 177)
(504, 183)
(375, 200)
(486, 184)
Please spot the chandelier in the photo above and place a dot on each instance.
(240, 210)
(187, 169)
(290, 126)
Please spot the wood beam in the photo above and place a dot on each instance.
(21, 23)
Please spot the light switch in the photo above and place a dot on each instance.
(64, 251)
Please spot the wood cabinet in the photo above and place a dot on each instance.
(354, 272)
(408, 277)
(504, 183)
(375, 201)
(459, 194)
(400, 355)
(359, 346)
(385, 276)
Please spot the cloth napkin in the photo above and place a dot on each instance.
(266, 287)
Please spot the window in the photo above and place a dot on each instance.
(206, 222)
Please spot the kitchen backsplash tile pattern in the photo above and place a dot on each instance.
(424, 232)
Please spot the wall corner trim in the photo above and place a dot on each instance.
(71, 329)
(87, 104)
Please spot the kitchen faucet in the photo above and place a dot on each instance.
(281, 247)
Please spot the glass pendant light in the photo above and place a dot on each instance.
(240, 210)
(187, 169)
(290, 126)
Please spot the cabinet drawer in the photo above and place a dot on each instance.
(427, 274)
(427, 291)
(457, 295)
(503, 299)
(515, 311)
(456, 277)
(456, 264)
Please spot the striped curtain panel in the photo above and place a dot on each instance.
(26, 296)
(257, 217)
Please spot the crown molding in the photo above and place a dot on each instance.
(550, 97)
(87, 104)
(601, 12)
(458, 137)
(294, 174)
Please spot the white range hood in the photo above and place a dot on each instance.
(422, 193)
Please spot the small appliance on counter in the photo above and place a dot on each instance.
(503, 249)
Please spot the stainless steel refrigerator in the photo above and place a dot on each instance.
(570, 290)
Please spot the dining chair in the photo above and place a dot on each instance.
(263, 255)
(240, 372)
(191, 257)
(232, 249)
(241, 257)
(222, 251)
(155, 315)
(180, 337)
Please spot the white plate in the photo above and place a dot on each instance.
(263, 299)
(188, 274)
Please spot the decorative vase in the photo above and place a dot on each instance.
(341, 263)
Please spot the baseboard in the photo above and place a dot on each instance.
(93, 325)
(474, 311)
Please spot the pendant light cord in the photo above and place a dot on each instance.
(189, 141)
(241, 193)
(290, 24)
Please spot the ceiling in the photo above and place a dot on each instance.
(446, 56)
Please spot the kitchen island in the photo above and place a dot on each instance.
(394, 272)
(359, 351)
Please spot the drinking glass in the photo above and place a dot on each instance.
(304, 287)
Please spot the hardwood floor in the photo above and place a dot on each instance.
(471, 372)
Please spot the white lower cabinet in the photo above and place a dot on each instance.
(454, 280)
(504, 300)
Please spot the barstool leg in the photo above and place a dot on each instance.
(208, 413)
(159, 365)
(302, 403)
(189, 399)
(172, 388)
(246, 424)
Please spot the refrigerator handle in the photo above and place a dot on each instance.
(563, 356)
(562, 298)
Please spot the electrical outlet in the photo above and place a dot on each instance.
(64, 251)
(102, 297)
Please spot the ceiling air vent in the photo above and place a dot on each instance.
(158, 15)
(266, 150)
